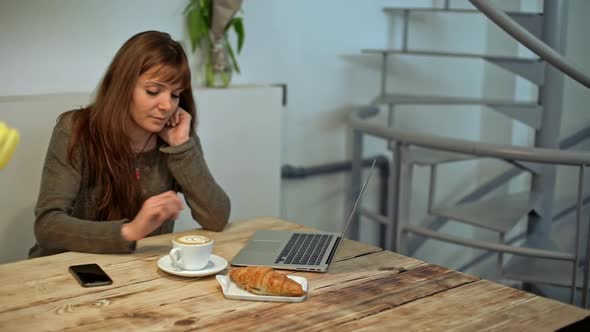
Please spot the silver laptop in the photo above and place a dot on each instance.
(289, 250)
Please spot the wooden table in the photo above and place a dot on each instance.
(366, 289)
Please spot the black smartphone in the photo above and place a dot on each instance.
(90, 275)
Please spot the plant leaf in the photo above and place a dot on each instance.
(233, 57)
(196, 27)
(206, 8)
(189, 6)
(238, 25)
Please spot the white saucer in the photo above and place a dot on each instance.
(216, 264)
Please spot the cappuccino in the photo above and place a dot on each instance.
(192, 239)
(191, 252)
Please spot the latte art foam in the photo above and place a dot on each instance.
(192, 239)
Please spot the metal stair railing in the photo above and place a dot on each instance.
(550, 97)
(529, 113)
(402, 139)
(502, 20)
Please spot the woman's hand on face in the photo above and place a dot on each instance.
(155, 211)
(177, 129)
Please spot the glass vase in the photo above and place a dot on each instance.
(218, 68)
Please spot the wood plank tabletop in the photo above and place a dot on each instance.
(365, 289)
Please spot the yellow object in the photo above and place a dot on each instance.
(8, 141)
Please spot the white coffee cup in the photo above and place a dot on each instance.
(191, 252)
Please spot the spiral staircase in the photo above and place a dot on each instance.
(537, 258)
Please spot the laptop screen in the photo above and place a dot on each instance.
(358, 199)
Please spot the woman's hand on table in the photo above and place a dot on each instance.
(155, 211)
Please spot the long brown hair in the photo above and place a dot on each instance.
(100, 129)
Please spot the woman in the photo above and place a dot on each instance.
(112, 169)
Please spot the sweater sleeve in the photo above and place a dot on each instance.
(209, 204)
(56, 229)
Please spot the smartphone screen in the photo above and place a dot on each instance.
(90, 275)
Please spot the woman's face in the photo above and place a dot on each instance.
(153, 103)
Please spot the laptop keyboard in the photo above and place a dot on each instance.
(304, 249)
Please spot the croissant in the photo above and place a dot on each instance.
(263, 280)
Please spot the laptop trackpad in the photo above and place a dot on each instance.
(264, 246)
(258, 253)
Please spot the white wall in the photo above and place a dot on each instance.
(66, 45)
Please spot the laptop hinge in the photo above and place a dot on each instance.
(334, 249)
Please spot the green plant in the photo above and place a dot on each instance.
(199, 19)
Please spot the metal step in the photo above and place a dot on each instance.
(425, 157)
(531, 69)
(526, 112)
(562, 232)
(498, 214)
(545, 271)
(391, 10)
(450, 54)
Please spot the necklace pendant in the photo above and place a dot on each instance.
(137, 174)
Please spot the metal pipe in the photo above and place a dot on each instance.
(500, 261)
(529, 40)
(395, 185)
(519, 237)
(578, 222)
(355, 181)
(299, 172)
(405, 30)
(383, 197)
(586, 270)
(432, 187)
(376, 217)
(390, 115)
(384, 74)
(550, 97)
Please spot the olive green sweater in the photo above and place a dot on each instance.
(66, 210)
